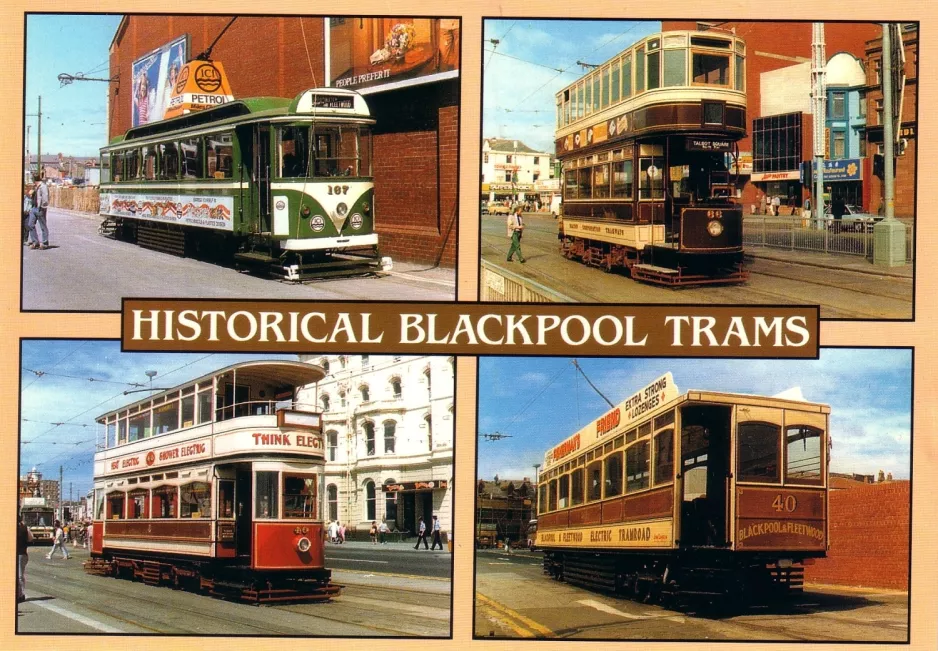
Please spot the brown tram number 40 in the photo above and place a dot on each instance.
(788, 503)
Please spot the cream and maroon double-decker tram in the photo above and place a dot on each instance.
(215, 485)
(699, 495)
(647, 142)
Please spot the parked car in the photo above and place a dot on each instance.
(853, 221)
(498, 208)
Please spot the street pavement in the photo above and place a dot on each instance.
(375, 602)
(845, 287)
(515, 599)
(87, 272)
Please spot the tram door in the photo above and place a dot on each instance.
(705, 459)
(243, 501)
(262, 174)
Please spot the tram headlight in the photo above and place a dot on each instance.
(714, 228)
(341, 210)
(304, 211)
(366, 207)
(303, 545)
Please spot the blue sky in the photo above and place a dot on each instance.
(522, 76)
(65, 393)
(74, 116)
(541, 401)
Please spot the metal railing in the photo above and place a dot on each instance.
(836, 237)
(502, 286)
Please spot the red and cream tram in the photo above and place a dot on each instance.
(215, 485)
(703, 495)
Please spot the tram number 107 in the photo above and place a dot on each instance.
(788, 503)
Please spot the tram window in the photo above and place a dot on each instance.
(205, 406)
(654, 70)
(644, 429)
(132, 164)
(588, 100)
(165, 499)
(803, 455)
(193, 158)
(542, 498)
(326, 152)
(711, 69)
(552, 495)
(594, 480)
(741, 74)
(675, 67)
(631, 435)
(166, 418)
(640, 70)
(112, 434)
(601, 182)
(220, 150)
(187, 406)
(650, 186)
(664, 457)
(139, 426)
(626, 76)
(576, 487)
(564, 492)
(225, 498)
(115, 506)
(168, 161)
(138, 505)
(584, 183)
(613, 475)
(615, 82)
(758, 452)
(149, 162)
(122, 428)
(293, 148)
(195, 500)
(636, 467)
(622, 184)
(605, 90)
(664, 419)
(117, 163)
(569, 184)
(299, 496)
(99, 504)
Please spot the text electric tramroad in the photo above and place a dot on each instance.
(648, 144)
(215, 485)
(701, 496)
(278, 184)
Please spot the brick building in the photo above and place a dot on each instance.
(504, 510)
(417, 129)
(870, 529)
(906, 153)
(778, 90)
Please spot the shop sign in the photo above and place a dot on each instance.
(742, 164)
(507, 166)
(200, 85)
(414, 486)
(707, 144)
(847, 169)
(788, 175)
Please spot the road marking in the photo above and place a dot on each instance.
(445, 579)
(81, 619)
(444, 283)
(598, 605)
(359, 560)
(532, 628)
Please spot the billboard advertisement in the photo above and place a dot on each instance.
(373, 54)
(154, 76)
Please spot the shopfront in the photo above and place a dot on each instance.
(406, 502)
(843, 179)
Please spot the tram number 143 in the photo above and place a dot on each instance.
(788, 503)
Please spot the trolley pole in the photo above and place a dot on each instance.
(889, 234)
(819, 100)
(61, 508)
(39, 143)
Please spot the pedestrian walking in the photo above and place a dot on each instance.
(58, 542)
(436, 534)
(37, 216)
(776, 203)
(515, 225)
(383, 531)
(341, 534)
(333, 532)
(23, 537)
(27, 207)
(762, 203)
(422, 535)
(374, 532)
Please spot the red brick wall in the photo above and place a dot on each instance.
(416, 136)
(869, 538)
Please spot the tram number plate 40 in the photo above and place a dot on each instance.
(787, 503)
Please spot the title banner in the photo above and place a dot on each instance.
(470, 328)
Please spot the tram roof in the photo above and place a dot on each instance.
(278, 371)
(232, 112)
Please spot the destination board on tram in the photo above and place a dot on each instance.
(333, 101)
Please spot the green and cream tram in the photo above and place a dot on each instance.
(268, 182)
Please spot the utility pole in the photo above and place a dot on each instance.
(61, 495)
(889, 234)
(39, 143)
(819, 102)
